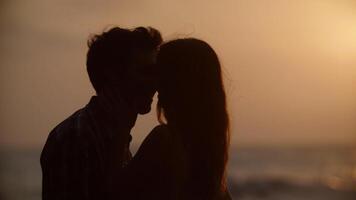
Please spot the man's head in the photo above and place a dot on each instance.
(122, 62)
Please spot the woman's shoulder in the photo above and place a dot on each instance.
(161, 130)
(157, 139)
(163, 142)
(162, 152)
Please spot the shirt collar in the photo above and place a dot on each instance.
(116, 117)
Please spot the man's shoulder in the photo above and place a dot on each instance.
(58, 137)
(66, 128)
(66, 133)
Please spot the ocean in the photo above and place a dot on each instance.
(304, 173)
(293, 173)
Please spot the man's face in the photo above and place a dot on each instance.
(142, 81)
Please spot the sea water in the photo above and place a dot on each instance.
(293, 173)
(303, 173)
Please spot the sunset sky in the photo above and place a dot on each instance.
(289, 65)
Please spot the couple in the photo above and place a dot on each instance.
(87, 156)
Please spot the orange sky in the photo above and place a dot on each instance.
(290, 66)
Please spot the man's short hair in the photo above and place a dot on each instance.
(112, 52)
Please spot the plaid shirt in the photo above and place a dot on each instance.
(84, 155)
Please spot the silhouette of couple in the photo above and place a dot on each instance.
(87, 156)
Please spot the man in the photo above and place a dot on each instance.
(84, 155)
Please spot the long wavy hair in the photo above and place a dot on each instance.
(192, 99)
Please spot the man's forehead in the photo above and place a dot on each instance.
(146, 56)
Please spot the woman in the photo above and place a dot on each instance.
(185, 157)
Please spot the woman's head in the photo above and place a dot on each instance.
(192, 99)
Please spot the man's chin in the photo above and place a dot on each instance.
(144, 110)
(144, 107)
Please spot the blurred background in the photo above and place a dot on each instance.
(289, 70)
